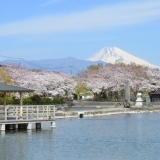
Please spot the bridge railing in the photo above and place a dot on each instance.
(27, 112)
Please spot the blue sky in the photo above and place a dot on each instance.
(51, 29)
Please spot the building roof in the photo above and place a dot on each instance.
(155, 93)
(10, 88)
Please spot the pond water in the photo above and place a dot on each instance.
(115, 137)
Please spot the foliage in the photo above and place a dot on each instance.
(27, 101)
(44, 83)
(33, 100)
(95, 67)
(108, 82)
(1, 101)
(4, 77)
(105, 82)
(80, 88)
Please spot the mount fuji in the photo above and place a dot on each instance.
(115, 55)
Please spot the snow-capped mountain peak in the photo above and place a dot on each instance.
(115, 55)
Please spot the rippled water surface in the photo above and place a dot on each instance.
(116, 137)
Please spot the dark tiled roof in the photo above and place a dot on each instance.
(155, 93)
(10, 88)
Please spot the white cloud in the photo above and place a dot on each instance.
(99, 18)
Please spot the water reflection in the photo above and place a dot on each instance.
(29, 132)
(3, 133)
(122, 137)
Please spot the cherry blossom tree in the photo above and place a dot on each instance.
(111, 79)
(106, 82)
(153, 75)
(44, 83)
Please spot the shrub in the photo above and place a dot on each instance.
(58, 100)
(47, 101)
(27, 101)
(1, 101)
(10, 100)
(33, 100)
(36, 99)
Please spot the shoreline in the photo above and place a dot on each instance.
(106, 112)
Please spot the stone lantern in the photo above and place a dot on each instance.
(139, 101)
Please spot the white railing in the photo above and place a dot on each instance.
(27, 112)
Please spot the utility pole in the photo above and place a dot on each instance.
(21, 62)
(43, 68)
(70, 69)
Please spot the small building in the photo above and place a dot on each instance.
(155, 96)
(86, 96)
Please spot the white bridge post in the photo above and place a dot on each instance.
(53, 123)
(2, 127)
(5, 112)
(29, 126)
